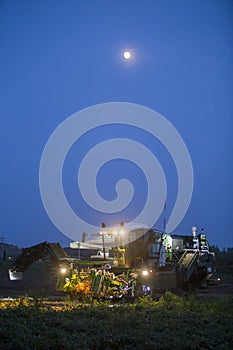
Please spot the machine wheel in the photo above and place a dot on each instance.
(138, 291)
(156, 295)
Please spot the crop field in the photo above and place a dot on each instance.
(33, 315)
(171, 323)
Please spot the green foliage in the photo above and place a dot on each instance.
(78, 286)
(172, 322)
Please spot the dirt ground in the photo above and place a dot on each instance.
(223, 289)
(41, 282)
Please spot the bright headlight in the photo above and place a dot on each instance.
(145, 273)
(63, 270)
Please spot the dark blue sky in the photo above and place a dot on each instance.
(58, 57)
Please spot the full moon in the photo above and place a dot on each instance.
(127, 55)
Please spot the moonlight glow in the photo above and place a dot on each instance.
(127, 55)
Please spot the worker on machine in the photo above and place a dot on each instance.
(169, 253)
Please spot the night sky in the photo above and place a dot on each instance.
(58, 57)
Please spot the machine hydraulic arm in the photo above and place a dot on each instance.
(50, 251)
